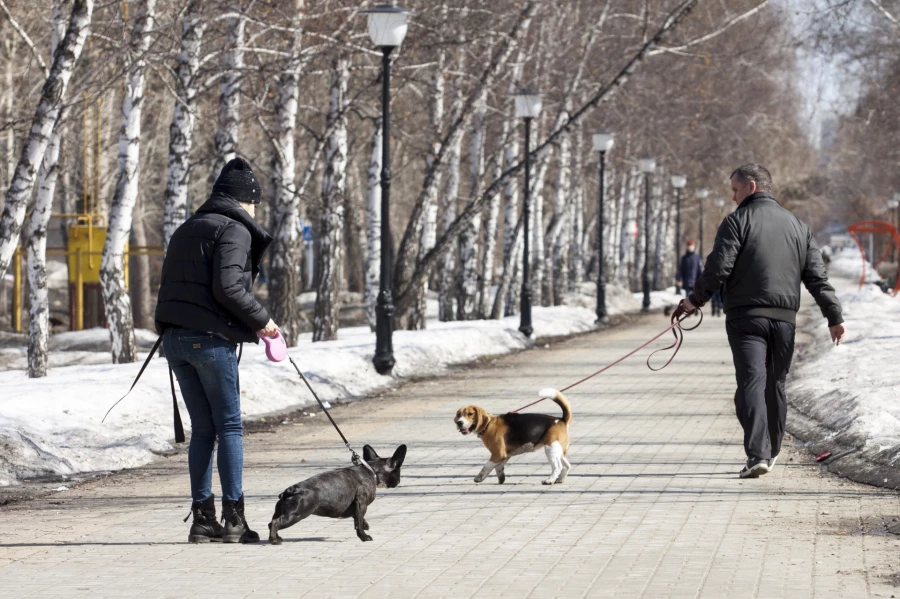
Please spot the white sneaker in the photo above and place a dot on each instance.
(754, 468)
(772, 462)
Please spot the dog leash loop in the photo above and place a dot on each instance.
(677, 330)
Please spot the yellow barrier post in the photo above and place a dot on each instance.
(17, 291)
(79, 292)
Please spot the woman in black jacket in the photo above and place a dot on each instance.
(205, 308)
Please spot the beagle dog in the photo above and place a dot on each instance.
(513, 434)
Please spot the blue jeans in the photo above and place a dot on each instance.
(207, 372)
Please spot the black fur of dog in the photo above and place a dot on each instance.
(338, 494)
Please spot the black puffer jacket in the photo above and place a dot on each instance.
(761, 255)
(208, 273)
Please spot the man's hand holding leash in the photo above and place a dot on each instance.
(685, 308)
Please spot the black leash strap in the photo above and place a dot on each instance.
(179, 427)
(176, 415)
(357, 460)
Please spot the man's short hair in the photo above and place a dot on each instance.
(754, 172)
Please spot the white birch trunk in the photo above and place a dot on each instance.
(116, 302)
(416, 317)
(511, 285)
(576, 243)
(373, 226)
(330, 260)
(467, 294)
(558, 235)
(629, 220)
(42, 124)
(447, 283)
(39, 304)
(491, 221)
(659, 226)
(181, 129)
(285, 254)
(230, 96)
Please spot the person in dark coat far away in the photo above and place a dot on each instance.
(761, 255)
(689, 268)
(205, 308)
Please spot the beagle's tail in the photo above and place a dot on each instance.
(560, 400)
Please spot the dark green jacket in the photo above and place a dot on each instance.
(761, 255)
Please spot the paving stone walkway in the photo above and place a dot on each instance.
(652, 507)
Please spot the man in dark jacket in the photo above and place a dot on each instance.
(761, 255)
(205, 308)
(689, 268)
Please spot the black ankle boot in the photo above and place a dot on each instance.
(205, 527)
(236, 528)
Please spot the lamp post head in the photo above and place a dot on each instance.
(893, 203)
(528, 103)
(702, 193)
(603, 141)
(387, 24)
(679, 181)
(720, 203)
(648, 164)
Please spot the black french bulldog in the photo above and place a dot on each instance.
(338, 494)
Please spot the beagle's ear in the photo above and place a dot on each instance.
(369, 453)
(480, 418)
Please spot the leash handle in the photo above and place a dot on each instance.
(678, 332)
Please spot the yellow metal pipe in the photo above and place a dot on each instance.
(79, 292)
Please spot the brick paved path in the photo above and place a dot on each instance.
(652, 507)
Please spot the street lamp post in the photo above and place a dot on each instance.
(678, 182)
(528, 107)
(388, 24)
(603, 143)
(648, 165)
(702, 194)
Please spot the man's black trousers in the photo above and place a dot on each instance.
(762, 349)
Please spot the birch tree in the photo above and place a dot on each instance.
(181, 130)
(39, 304)
(329, 262)
(373, 225)
(45, 117)
(116, 302)
(448, 281)
(417, 316)
(284, 278)
(467, 289)
(228, 130)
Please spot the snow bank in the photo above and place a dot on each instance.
(848, 263)
(851, 393)
(52, 425)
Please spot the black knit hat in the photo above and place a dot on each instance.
(238, 181)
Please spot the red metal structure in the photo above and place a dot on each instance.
(875, 226)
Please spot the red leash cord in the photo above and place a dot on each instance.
(677, 331)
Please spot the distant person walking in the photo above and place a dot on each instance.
(205, 308)
(761, 255)
(689, 268)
